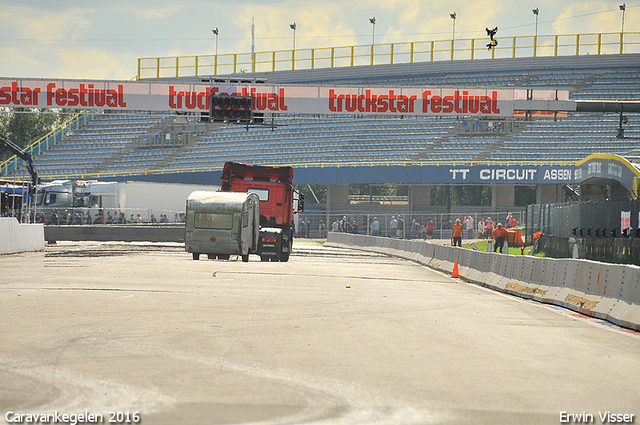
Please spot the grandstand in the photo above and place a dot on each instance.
(184, 149)
(135, 143)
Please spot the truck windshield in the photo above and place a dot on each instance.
(213, 221)
(263, 194)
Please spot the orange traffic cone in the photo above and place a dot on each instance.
(455, 270)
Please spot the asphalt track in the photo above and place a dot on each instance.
(331, 337)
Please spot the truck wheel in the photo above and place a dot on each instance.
(264, 258)
(196, 256)
(245, 258)
(284, 257)
(223, 257)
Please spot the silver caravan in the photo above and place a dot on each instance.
(221, 224)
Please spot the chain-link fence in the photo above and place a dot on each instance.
(314, 224)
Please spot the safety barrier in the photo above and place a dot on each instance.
(607, 291)
(16, 237)
(126, 233)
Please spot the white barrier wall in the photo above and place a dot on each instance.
(16, 237)
(606, 291)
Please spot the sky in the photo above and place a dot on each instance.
(89, 39)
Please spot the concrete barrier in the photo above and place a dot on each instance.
(606, 291)
(16, 237)
(126, 233)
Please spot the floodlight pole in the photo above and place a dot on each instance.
(293, 27)
(623, 7)
(216, 32)
(535, 11)
(373, 33)
(373, 37)
(453, 33)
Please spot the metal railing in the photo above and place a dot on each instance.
(390, 53)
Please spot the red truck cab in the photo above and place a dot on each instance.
(274, 187)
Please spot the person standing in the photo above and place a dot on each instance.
(499, 234)
(375, 227)
(393, 227)
(469, 223)
(481, 229)
(489, 227)
(400, 227)
(457, 233)
(430, 228)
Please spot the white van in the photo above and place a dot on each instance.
(221, 224)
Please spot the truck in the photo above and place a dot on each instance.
(91, 197)
(279, 201)
(221, 224)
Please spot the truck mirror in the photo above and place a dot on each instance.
(300, 202)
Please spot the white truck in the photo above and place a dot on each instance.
(92, 197)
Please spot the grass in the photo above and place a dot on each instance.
(482, 246)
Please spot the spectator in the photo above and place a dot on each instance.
(335, 227)
(99, 218)
(400, 227)
(430, 227)
(481, 229)
(393, 227)
(375, 227)
(354, 226)
(489, 231)
(345, 225)
(41, 218)
(470, 227)
(307, 227)
(321, 229)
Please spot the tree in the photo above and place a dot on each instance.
(319, 190)
(24, 126)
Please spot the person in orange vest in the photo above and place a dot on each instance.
(499, 234)
(457, 233)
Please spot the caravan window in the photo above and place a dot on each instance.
(213, 221)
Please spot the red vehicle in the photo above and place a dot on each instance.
(278, 202)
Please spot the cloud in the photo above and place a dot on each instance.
(93, 64)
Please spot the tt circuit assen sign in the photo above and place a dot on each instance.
(117, 95)
(417, 173)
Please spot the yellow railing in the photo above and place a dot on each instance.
(113, 174)
(378, 54)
